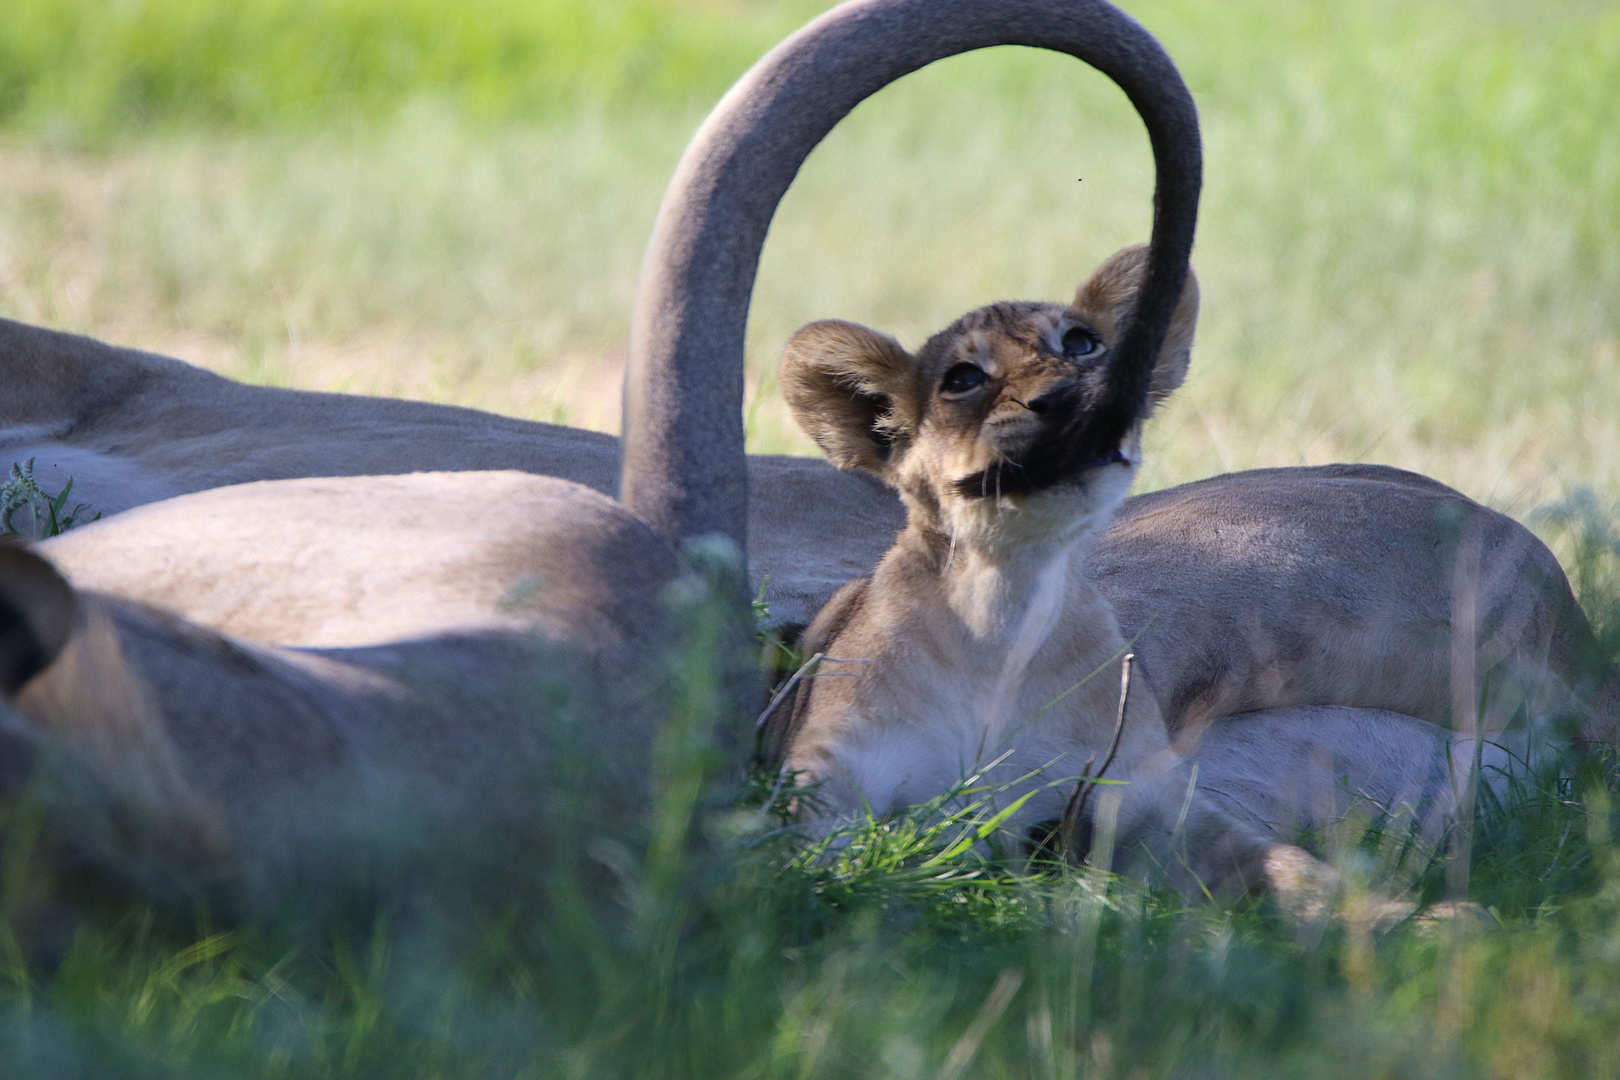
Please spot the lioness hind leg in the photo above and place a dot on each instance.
(1252, 786)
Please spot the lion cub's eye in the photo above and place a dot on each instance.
(1079, 343)
(962, 378)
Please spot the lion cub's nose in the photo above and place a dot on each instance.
(1049, 400)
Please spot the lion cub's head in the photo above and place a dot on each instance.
(1001, 426)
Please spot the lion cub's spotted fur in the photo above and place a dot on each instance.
(973, 637)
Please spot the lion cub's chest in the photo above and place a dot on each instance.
(937, 679)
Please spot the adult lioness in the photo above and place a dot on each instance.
(1012, 437)
(131, 430)
(189, 763)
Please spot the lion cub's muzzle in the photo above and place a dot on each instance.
(1080, 428)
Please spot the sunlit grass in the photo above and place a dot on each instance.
(1407, 248)
(89, 71)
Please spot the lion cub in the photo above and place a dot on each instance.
(970, 642)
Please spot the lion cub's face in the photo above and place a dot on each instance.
(977, 429)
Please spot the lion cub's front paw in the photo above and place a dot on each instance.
(1309, 889)
(1299, 883)
(1451, 915)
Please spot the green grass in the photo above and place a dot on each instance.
(899, 958)
(89, 70)
(1409, 254)
(28, 512)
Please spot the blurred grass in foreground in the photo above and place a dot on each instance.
(1409, 254)
(896, 959)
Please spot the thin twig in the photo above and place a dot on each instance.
(759, 726)
(1465, 705)
(787, 688)
(1074, 810)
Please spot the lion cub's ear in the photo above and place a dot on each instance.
(1104, 301)
(850, 389)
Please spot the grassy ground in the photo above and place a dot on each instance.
(1408, 253)
(899, 959)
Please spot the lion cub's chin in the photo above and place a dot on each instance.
(1054, 516)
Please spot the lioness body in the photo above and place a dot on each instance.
(194, 761)
(1337, 585)
(133, 430)
(144, 431)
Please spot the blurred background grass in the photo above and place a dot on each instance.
(1410, 253)
(1408, 246)
(91, 70)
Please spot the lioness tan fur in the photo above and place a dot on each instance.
(195, 763)
(131, 429)
(1339, 585)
